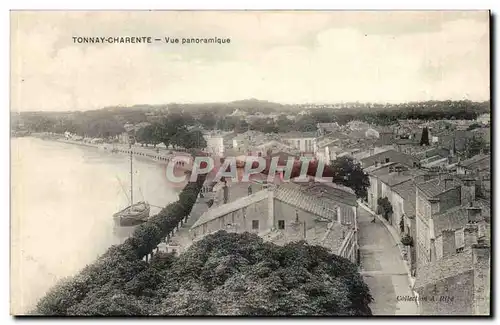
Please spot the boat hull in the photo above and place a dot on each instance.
(133, 215)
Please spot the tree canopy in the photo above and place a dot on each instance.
(233, 274)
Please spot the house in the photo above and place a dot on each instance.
(327, 148)
(459, 282)
(389, 156)
(477, 165)
(126, 138)
(273, 146)
(284, 213)
(326, 128)
(484, 119)
(217, 142)
(249, 139)
(433, 198)
(303, 141)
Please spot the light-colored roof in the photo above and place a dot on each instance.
(288, 193)
(224, 209)
(330, 192)
(292, 194)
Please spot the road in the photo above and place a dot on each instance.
(382, 268)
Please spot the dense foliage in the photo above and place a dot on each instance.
(407, 240)
(424, 140)
(384, 207)
(97, 288)
(231, 274)
(109, 121)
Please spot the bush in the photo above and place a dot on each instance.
(407, 240)
(384, 207)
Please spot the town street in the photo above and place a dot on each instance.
(382, 268)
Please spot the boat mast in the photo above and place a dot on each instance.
(131, 179)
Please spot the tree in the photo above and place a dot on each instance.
(240, 274)
(145, 135)
(384, 207)
(222, 274)
(424, 140)
(475, 146)
(208, 120)
(349, 173)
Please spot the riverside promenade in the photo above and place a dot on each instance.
(383, 268)
(157, 154)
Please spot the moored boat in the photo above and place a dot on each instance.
(133, 215)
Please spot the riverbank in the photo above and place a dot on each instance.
(156, 154)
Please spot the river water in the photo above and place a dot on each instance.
(63, 197)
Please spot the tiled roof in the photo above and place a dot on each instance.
(444, 268)
(393, 155)
(477, 162)
(330, 192)
(395, 178)
(374, 170)
(224, 209)
(452, 219)
(292, 194)
(437, 186)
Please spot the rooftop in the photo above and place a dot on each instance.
(392, 155)
(330, 192)
(224, 209)
(444, 268)
(293, 194)
(436, 186)
(453, 219)
(480, 161)
(395, 178)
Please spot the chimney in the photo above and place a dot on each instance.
(470, 235)
(468, 191)
(434, 205)
(449, 246)
(482, 284)
(473, 214)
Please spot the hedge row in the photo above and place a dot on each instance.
(122, 262)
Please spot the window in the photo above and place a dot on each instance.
(387, 160)
(281, 224)
(255, 224)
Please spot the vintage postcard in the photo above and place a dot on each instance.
(259, 163)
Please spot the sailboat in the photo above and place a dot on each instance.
(136, 213)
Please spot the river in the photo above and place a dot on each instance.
(63, 197)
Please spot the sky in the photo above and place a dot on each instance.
(282, 56)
